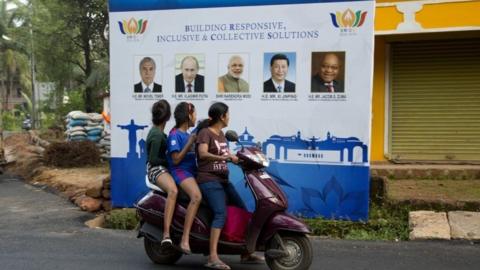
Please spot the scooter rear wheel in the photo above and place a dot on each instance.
(161, 255)
(299, 251)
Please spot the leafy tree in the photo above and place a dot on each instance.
(14, 67)
(66, 39)
(72, 46)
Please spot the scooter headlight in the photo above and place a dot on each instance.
(260, 159)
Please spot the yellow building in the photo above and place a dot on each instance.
(426, 88)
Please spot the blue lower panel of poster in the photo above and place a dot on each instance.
(329, 191)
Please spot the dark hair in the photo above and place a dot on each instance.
(161, 112)
(182, 112)
(201, 124)
(216, 111)
(279, 56)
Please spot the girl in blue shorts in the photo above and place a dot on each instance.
(183, 165)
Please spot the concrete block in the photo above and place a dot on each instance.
(428, 225)
(464, 225)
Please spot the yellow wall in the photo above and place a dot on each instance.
(378, 102)
(387, 18)
(431, 16)
(443, 15)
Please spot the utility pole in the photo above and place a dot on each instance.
(34, 98)
(32, 66)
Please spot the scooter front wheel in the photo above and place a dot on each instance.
(161, 255)
(298, 249)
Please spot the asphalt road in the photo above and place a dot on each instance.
(41, 230)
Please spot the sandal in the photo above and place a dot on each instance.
(217, 265)
(252, 259)
(166, 241)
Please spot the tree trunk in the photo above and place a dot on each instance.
(85, 30)
(9, 90)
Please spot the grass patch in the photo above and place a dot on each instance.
(121, 219)
(386, 222)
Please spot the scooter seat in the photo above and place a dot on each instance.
(204, 212)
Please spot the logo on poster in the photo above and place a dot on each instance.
(132, 28)
(348, 20)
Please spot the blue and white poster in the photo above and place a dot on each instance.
(296, 75)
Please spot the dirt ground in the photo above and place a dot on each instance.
(80, 178)
(24, 158)
(442, 191)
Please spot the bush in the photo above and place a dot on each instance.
(10, 122)
(386, 222)
(72, 154)
(122, 219)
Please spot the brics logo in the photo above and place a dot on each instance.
(132, 27)
(348, 19)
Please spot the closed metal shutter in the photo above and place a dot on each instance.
(435, 100)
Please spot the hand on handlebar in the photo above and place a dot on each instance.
(231, 158)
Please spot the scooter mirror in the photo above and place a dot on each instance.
(231, 136)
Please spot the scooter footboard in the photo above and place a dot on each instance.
(151, 232)
(282, 222)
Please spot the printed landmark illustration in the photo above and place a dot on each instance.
(328, 178)
(128, 173)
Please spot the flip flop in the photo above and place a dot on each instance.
(252, 259)
(166, 242)
(217, 265)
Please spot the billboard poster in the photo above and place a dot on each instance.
(296, 75)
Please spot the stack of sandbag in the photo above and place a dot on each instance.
(94, 127)
(76, 122)
(104, 144)
(84, 126)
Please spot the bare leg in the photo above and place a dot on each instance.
(214, 237)
(166, 183)
(191, 188)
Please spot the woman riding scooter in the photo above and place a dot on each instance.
(213, 154)
(157, 163)
(183, 166)
(270, 229)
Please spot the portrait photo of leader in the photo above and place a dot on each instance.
(189, 80)
(147, 84)
(235, 80)
(328, 72)
(281, 70)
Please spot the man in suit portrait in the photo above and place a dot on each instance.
(189, 80)
(326, 79)
(279, 69)
(232, 81)
(147, 73)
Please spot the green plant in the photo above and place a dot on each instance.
(121, 219)
(73, 102)
(10, 122)
(386, 222)
(48, 120)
